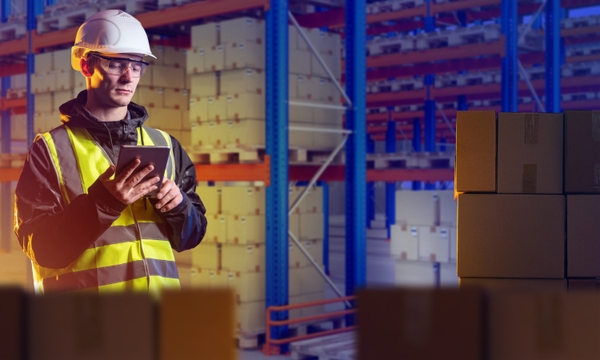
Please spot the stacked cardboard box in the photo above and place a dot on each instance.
(227, 83)
(511, 206)
(232, 254)
(423, 324)
(424, 234)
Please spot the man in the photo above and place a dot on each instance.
(83, 226)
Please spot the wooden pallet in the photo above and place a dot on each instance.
(12, 160)
(331, 347)
(12, 31)
(64, 18)
(255, 154)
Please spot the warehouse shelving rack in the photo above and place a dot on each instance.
(274, 170)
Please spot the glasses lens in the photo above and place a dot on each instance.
(118, 66)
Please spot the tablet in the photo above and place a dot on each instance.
(157, 156)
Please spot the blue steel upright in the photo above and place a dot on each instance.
(370, 195)
(277, 148)
(5, 205)
(390, 187)
(34, 8)
(553, 58)
(510, 70)
(356, 172)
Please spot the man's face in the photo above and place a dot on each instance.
(112, 90)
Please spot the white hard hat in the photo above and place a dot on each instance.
(110, 31)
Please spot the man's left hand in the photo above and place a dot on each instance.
(168, 197)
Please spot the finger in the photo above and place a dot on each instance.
(128, 170)
(107, 174)
(167, 184)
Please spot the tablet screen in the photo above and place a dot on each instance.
(157, 156)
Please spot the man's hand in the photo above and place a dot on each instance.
(128, 187)
(169, 196)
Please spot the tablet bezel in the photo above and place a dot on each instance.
(158, 156)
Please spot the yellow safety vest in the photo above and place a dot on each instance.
(134, 254)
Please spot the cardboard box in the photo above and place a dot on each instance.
(245, 54)
(242, 29)
(328, 116)
(245, 106)
(243, 200)
(165, 119)
(404, 242)
(61, 60)
(198, 110)
(434, 244)
(416, 207)
(326, 139)
(44, 62)
(174, 56)
(12, 323)
(207, 255)
(214, 58)
(217, 108)
(197, 324)
(88, 326)
(582, 152)
(246, 229)
(305, 280)
(475, 167)
(306, 311)
(242, 81)
(583, 230)
(300, 139)
(194, 61)
(247, 286)
(312, 201)
(217, 228)
(44, 102)
(504, 285)
(211, 198)
(297, 258)
(250, 316)
(246, 132)
(61, 97)
(205, 35)
(530, 153)
(204, 85)
(176, 99)
(149, 97)
(552, 325)
(168, 77)
(64, 79)
(308, 87)
(447, 208)
(243, 258)
(311, 226)
(420, 324)
(300, 62)
(511, 236)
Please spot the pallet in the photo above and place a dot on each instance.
(395, 85)
(582, 69)
(163, 4)
(131, 6)
(331, 347)
(390, 45)
(247, 154)
(393, 5)
(60, 18)
(12, 31)
(579, 22)
(458, 37)
(12, 160)
(411, 161)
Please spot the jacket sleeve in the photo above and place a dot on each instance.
(51, 232)
(187, 222)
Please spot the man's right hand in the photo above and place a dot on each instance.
(127, 187)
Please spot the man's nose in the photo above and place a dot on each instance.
(126, 75)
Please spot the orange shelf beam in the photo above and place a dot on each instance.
(53, 38)
(197, 10)
(410, 175)
(14, 46)
(449, 53)
(14, 103)
(460, 5)
(580, 31)
(9, 174)
(235, 172)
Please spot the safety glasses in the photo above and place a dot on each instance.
(118, 66)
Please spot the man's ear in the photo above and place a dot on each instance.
(86, 68)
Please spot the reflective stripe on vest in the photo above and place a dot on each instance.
(135, 252)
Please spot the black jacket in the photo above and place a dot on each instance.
(54, 234)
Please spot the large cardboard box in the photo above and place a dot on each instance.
(44, 102)
(246, 229)
(404, 242)
(217, 228)
(311, 203)
(204, 85)
(246, 132)
(88, 326)
(194, 61)
(217, 108)
(243, 258)
(177, 99)
(416, 207)
(168, 77)
(511, 236)
(583, 236)
(503, 285)
(530, 153)
(242, 29)
(174, 56)
(420, 324)
(243, 200)
(311, 226)
(250, 316)
(43, 62)
(211, 198)
(582, 151)
(300, 62)
(447, 208)
(434, 244)
(12, 323)
(165, 118)
(246, 106)
(207, 255)
(205, 35)
(247, 286)
(242, 80)
(64, 79)
(197, 324)
(198, 109)
(214, 58)
(297, 259)
(550, 325)
(149, 96)
(305, 280)
(475, 167)
(245, 54)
